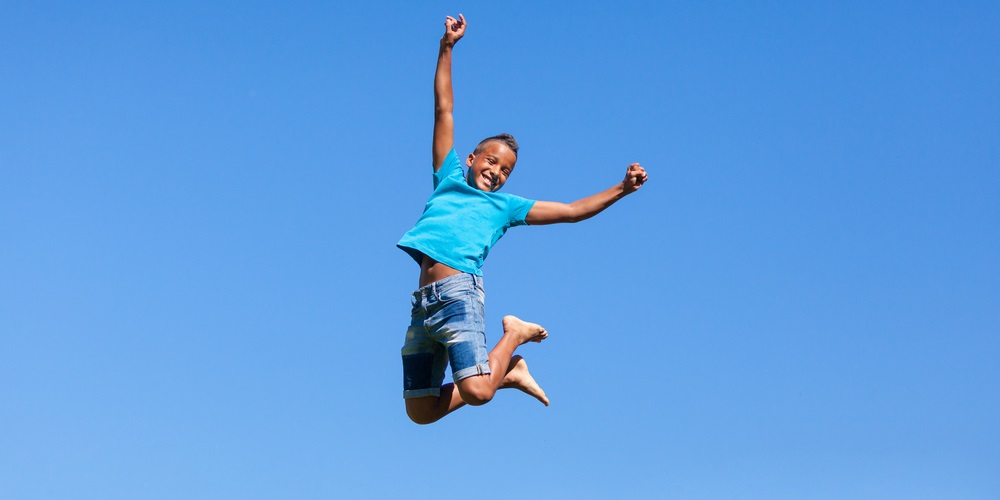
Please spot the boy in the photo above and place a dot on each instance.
(463, 219)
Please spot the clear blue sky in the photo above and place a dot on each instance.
(200, 294)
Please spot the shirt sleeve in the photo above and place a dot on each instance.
(517, 209)
(450, 168)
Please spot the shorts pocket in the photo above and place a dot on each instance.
(454, 293)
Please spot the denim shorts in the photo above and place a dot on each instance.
(446, 324)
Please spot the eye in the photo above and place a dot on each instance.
(506, 171)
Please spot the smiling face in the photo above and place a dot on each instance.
(490, 168)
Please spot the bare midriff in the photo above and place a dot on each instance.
(432, 270)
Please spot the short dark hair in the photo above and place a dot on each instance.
(505, 138)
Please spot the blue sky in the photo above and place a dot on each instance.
(200, 294)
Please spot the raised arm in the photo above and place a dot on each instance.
(444, 99)
(550, 212)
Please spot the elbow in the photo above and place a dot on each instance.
(573, 216)
(443, 105)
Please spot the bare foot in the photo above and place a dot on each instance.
(518, 378)
(525, 332)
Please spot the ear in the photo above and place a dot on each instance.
(468, 161)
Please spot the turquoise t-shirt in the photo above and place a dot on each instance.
(460, 223)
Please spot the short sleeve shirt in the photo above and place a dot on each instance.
(460, 223)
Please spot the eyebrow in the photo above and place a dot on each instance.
(497, 158)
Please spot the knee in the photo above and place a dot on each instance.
(420, 414)
(477, 396)
(421, 419)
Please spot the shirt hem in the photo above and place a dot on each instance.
(411, 249)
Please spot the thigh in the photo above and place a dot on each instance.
(424, 358)
(458, 323)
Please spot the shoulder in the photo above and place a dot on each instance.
(517, 208)
(451, 166)
(513, 199)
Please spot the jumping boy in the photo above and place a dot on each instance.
(462, 220)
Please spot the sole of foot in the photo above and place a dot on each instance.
(518, 377)
(526, 332)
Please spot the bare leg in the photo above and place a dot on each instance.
(430, 409)
(477, 390)
(519, 378)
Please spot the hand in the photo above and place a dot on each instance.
(454, 29)
(635, 176)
